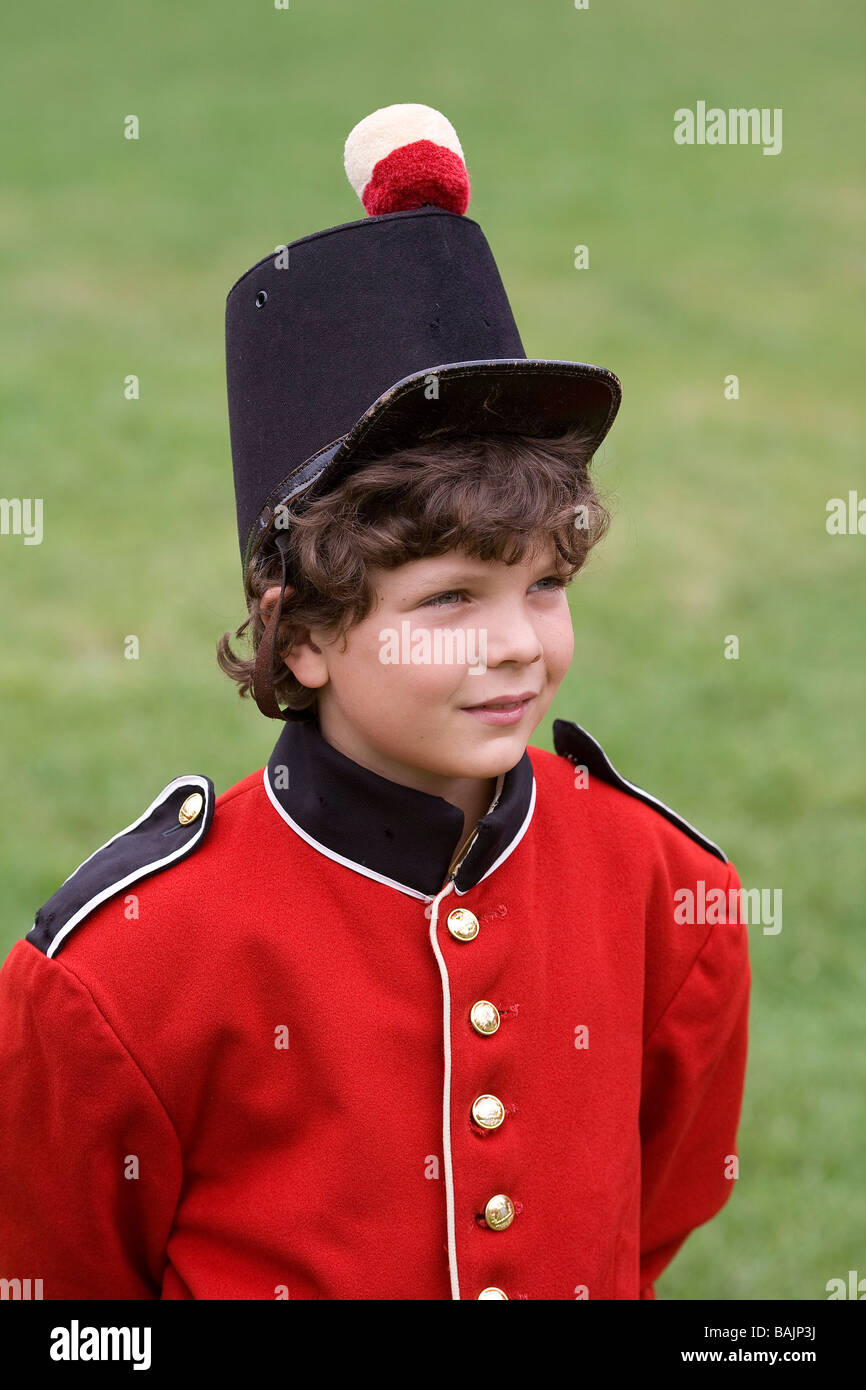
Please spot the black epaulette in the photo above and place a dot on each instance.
(574, 743)
(173, 826)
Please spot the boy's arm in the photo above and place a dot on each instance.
(691, 1097)
(90, 1163)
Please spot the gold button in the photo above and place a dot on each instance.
(191, 808)
(493, 1292)
(462, 924)
(499, 1212)
(488, 1111)
(484, 1017)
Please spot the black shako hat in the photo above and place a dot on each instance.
(374, 335)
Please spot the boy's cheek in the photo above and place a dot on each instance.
(559, 651)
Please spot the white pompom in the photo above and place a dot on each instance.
(388, 129)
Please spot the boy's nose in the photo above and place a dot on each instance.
(513, 637)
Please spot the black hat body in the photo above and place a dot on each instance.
(374, 335)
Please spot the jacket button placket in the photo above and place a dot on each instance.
(486, 1111)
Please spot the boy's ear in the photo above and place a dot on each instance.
(268, 601)
(269, 598)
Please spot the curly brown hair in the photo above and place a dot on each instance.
(495, 497)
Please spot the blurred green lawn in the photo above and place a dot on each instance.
(117, 257)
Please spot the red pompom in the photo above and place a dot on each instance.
(414, 174)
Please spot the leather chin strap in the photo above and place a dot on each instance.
(263, 673)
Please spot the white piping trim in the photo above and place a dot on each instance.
(194, 779)
(508, 848)
(382, 878)
(676, 815)
(339, 858)
(647, 796)
(446, 1094)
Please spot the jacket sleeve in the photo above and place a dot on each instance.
(691, 1096)
(90, 1163)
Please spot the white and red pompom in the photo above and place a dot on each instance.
(403, 156)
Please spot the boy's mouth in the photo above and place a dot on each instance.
(504, 701)
(504, 709)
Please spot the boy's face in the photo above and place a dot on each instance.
(482, 630)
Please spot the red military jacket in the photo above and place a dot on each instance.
(265, 1047)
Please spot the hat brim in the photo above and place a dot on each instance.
(532, 396)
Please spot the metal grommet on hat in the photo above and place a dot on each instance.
(364, 320)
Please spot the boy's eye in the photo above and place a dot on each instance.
(439, 600)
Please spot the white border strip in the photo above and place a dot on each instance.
(508, 848)
(647, 796)
(381, 878)
(446, 1094)
(339, 858)
(194, 779)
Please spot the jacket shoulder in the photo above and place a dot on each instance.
(575, 744)
(171, 828)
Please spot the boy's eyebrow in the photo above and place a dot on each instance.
(455, 578)
(448, 579)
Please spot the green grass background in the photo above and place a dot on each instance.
(117, 257)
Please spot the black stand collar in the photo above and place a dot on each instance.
(400, 836)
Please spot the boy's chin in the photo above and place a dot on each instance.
(486, 756)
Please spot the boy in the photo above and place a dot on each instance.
(408, 1013)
